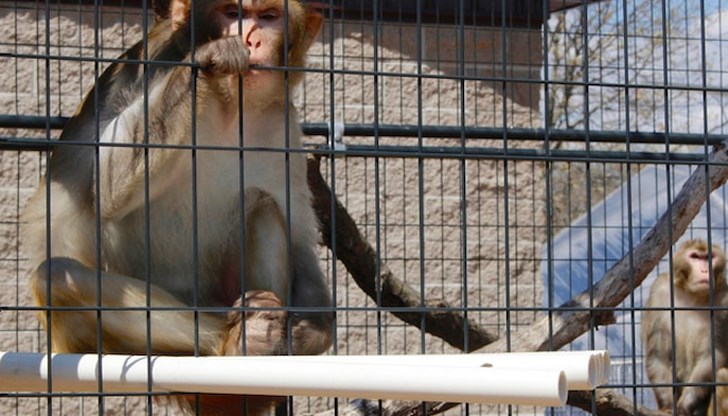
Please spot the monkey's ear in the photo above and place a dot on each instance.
(313, 25)
(179, 11)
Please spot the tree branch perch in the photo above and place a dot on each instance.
(377, 280)
(552, 331)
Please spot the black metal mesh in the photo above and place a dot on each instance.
(498, 156)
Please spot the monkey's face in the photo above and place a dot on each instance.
(700, 262)
(261, 24)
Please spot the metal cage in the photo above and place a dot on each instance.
(495, 158)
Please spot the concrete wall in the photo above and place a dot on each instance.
(468, 232)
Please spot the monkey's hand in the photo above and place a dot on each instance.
(224, 56)
(264, 328)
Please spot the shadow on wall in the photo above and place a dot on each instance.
(483, 56)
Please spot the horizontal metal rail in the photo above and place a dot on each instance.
(442, 132)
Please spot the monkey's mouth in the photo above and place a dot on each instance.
(702, 281)
(258, 67)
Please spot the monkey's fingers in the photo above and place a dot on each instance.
(225, 56)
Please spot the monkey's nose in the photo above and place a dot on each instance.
(250, 44)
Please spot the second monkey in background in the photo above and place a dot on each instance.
(696, 284)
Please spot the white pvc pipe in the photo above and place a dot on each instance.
(585, 370)
(246, 375)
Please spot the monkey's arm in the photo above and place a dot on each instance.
(123, 168)
(658, 355)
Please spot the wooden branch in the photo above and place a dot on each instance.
(609, 403)
(572, 318)
(566, 323)
(375, 278)
(357, 408)
(606, 402)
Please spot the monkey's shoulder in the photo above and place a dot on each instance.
(123, 83)
(660, 292)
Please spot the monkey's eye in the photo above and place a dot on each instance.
(269, 15)
(231, 11)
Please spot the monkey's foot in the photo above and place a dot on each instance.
(263, 330)
(250, 331)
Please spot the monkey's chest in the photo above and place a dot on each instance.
(184, 236)
(694, 326)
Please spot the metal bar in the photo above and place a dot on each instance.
(443, 132)
(447, 152)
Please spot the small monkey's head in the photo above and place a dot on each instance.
(692, 267)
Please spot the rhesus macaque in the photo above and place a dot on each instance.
(161, 215)
(694, 265)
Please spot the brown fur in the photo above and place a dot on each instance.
(721, 395)
(691, 289)
(234, 250)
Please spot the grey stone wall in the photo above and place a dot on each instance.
(467, 231)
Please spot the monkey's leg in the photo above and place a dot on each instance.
(260, 327)
(252, 331)
(721, 394)
(268, 269)
(266, 245)
(266, 281)
(659, 373)
(311, 331)
(657, 343)
(73, 285)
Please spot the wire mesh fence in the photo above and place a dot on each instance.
(492, 160)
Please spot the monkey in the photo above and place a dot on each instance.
(154, 231)
(697, 281)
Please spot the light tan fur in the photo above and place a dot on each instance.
(203, 236)
(698, 281)
(721, 394)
